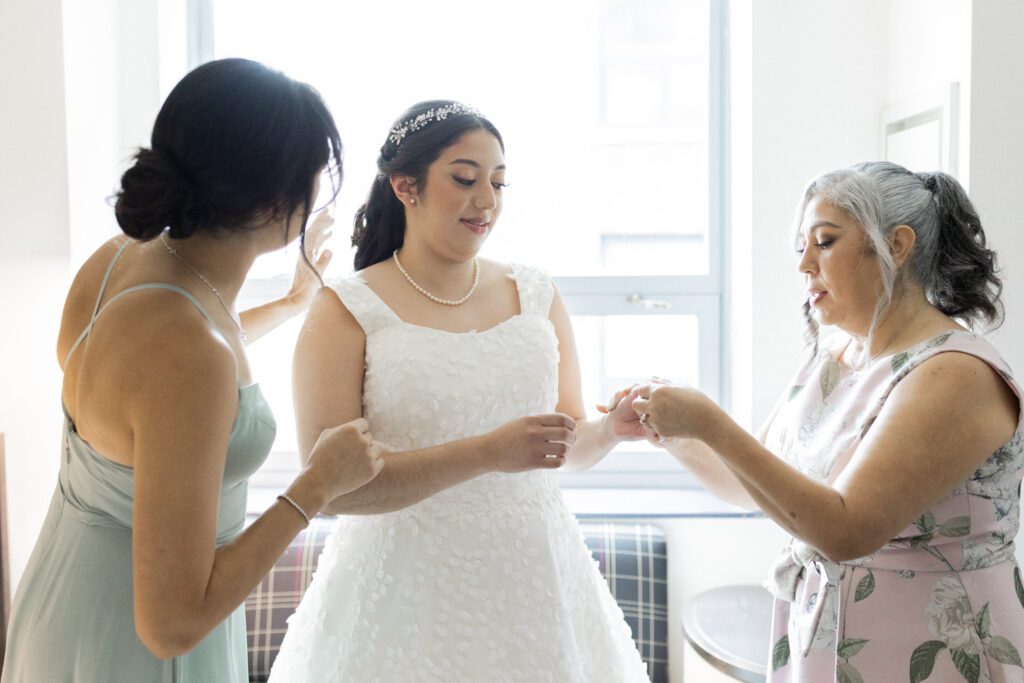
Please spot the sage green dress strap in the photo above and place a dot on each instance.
(73, 618)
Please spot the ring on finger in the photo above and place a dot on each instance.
(644, 417)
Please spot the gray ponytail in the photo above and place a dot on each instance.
(962, 281)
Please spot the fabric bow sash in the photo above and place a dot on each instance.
(797, 562)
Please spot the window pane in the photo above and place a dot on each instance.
(619, 350)
(270, 357)
(603, 105)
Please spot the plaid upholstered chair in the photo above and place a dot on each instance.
(631, 557)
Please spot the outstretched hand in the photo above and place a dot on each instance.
(626, 423)
(306, 283)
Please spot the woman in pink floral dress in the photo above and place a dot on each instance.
(895, 457)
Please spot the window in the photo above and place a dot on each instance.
(612, 113)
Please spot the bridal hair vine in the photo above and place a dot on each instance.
(399, 132)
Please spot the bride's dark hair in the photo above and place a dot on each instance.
(379, 225)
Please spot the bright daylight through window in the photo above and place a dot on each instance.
(612, 114)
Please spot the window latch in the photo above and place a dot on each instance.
(649, 304)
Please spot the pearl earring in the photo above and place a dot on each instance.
(412, 200)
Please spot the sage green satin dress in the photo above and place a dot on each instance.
(72, 618)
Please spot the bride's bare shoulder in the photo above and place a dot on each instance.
(377, 274)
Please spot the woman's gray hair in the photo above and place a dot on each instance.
(949, 259)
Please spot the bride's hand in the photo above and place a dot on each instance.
(625, 422)
(306, 283)
(537, 441)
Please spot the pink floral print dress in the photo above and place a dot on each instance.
(944, 600)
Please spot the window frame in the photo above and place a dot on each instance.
(705, 296)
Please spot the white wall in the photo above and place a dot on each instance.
(738, 314)
(81, 90)
(930, 48)
(34, 176)
(112, 60)
(996, 151)
(817, 89)
(997, 154)
(34, 253)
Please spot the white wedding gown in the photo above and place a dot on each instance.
(486, 581)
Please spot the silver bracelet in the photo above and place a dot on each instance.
(285, 497)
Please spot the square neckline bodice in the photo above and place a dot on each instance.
(514, 273)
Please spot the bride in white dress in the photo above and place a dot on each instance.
(460, 561)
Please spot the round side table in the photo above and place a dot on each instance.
(730, 628)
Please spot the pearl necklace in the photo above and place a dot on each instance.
(437, 299)
(231, 314)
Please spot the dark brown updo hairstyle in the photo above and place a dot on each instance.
(235, 141)
(379, 226)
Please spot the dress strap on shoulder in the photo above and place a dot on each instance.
(535, 289)
(149, 285)
(364, 304)
(99, 298)
(106, 276)
(161, 285)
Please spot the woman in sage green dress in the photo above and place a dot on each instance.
(895, 456)
(142, 565)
